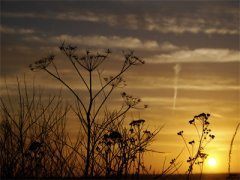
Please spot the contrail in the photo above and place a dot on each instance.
(177, 69)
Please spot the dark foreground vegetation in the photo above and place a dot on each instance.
(35, 141)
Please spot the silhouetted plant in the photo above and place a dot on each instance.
(89, 111)
(196, 148)
(231, 176)
(172, 167)
(122, 150)
(33, 140)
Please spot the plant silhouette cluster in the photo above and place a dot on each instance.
(33, 137)
(122, 151)
(35, 142)
(89, 112)
(196, 147)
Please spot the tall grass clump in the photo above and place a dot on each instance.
(230, 150)
(33, 138)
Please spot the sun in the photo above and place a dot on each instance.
(212, 162)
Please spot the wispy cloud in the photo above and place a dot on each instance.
(10, 30)
(213, 87)
(100, 41)
(151, 22)
(208, 83)
(112, 41)
(168, 100)
(23, 15)
(88, 16)
(187, 25)
(197, 55)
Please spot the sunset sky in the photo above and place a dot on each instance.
(191, 49)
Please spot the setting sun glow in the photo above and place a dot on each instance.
(212, 162)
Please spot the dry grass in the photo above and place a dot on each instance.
(230, 148)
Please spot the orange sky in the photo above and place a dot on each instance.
(201, 38)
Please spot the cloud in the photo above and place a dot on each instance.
(197, 56)
(158, 22)
(87, 16)
(10, 30)
(100, 41)
(168, 100)
(180, 25)
(167, 46)
(206, 87)
(208, 83)
(213, 87)
(24, 15)
(107, 41)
